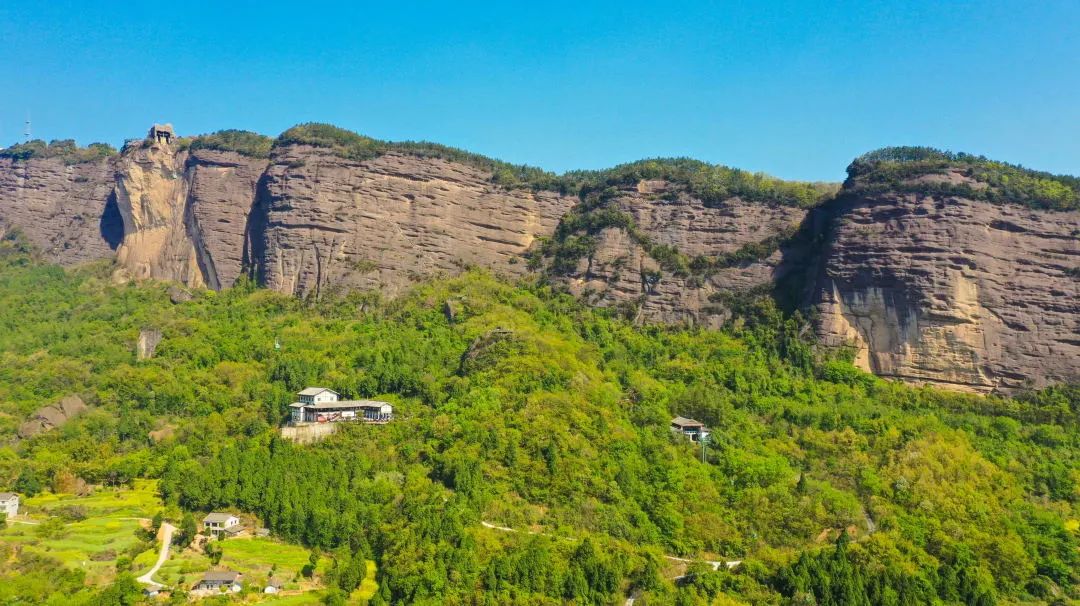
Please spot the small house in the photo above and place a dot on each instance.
(216, 523)
(321, 405)
(273, 586)
(9, 504)
(262, 532)
(215, 580)
(695, 430)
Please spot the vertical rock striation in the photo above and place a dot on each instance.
(620, 272)
(953, 291)
(323, 221)
(221, 194)
(185, 213)
(152, 195)
(65, 210)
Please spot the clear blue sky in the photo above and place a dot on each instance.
(796, 89)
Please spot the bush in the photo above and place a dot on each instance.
(343, 143)
(243, 142)
(63, 149)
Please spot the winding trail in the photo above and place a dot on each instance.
(166, 533)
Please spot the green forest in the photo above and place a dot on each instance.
(530, 460)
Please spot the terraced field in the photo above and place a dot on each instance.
(91, 532)
(110, 528)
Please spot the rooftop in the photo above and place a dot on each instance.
(218, 517)
(227, 576)
(314, 391)
(7, 496)
(684, 422)
(341, 404)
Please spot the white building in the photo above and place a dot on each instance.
(695, 430)
(9, 504)
(316, 395)
(321, 405)
(215, 580)
(216, 523)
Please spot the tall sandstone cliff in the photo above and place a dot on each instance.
(65, 210)
(620, 272)
(953, 291)
(934, 288)
(323, 221)
(185, 213)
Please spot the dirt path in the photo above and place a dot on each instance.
(166, 540)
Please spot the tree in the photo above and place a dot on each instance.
(29, 483)
(124, 591)
(214, 552)
(188, 530)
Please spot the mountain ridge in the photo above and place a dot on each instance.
(942, 268)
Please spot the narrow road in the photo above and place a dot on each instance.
(166, 540)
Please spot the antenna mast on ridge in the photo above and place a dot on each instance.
(27, 133)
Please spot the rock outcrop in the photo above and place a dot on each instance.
(185, 213)
(146, 346)
(325, 222)
(953, 291)
(65, 210)
(52, 416)
(152, 194)
(620, 272)
(221, 194)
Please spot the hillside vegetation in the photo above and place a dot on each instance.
(518, 407)
(65, 150)
(897, 168)
(243, 142)
(711, 183)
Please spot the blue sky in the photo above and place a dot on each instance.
(796, 89)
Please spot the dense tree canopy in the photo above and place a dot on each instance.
(528, 411)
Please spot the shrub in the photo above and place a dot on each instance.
(343, 143)
(63, 149)
(243, 142)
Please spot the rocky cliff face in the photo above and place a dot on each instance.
(620, 272)
(185, 213)
(953, 291)
(65, 210)
(322, 221)
(221, 195)
(152, 192)
(943, 288)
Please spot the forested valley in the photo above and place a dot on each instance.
(518, 408)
